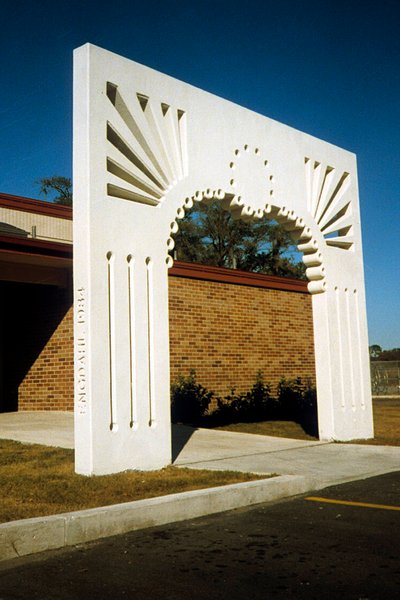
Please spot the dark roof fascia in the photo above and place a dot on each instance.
(39, 207)
(31, 246)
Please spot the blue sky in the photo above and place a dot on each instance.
(331, 69)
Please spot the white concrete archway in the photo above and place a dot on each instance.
(146, 146)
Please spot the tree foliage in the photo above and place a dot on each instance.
(392, 354)
(210, 235)
(57, 189)
(375, 351)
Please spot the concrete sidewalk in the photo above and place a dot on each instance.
(326, 463)
(301, 466)
(37, 427)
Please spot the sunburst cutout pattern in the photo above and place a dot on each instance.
(147, 149)
(329, 203)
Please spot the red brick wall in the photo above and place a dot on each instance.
(226, 332)
(49, 383)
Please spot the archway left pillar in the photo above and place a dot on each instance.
(122, 418)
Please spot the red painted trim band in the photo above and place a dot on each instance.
(39, 207)
(234, 276)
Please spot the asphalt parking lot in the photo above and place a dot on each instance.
(300, 548)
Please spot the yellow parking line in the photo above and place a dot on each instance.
(350, 503)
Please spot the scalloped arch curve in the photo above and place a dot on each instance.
(306, 243)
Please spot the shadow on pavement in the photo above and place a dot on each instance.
(180, 435)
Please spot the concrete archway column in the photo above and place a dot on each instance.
(146, 147)
(122, 418)
(342, 365)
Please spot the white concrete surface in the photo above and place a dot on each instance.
(203, 445)
(146, 147)
(35, 427)
(326, 463)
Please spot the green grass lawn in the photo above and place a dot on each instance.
(287, 429)
(39, 480)
(386, 423)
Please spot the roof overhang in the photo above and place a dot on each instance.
(50, 263)
(27, 260)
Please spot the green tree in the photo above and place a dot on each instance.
(57, 189)
(210, 235)
(375, 351)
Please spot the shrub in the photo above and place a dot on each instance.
(289, 393)
(297, 401)
(252, 406)
(189, 399)
(261, 403)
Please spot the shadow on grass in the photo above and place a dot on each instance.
(309, 423)
(280, 424)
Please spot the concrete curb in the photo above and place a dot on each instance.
(29, 536)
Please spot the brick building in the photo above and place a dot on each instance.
(225, 324)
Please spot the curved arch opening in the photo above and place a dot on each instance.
(290, 225)
(286, 220)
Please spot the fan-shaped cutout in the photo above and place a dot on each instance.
(329, 202)
(147, 151)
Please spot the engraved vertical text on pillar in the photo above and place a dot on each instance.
(81, 352)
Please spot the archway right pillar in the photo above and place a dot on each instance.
(342, 364)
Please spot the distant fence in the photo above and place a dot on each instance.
(385, 377)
